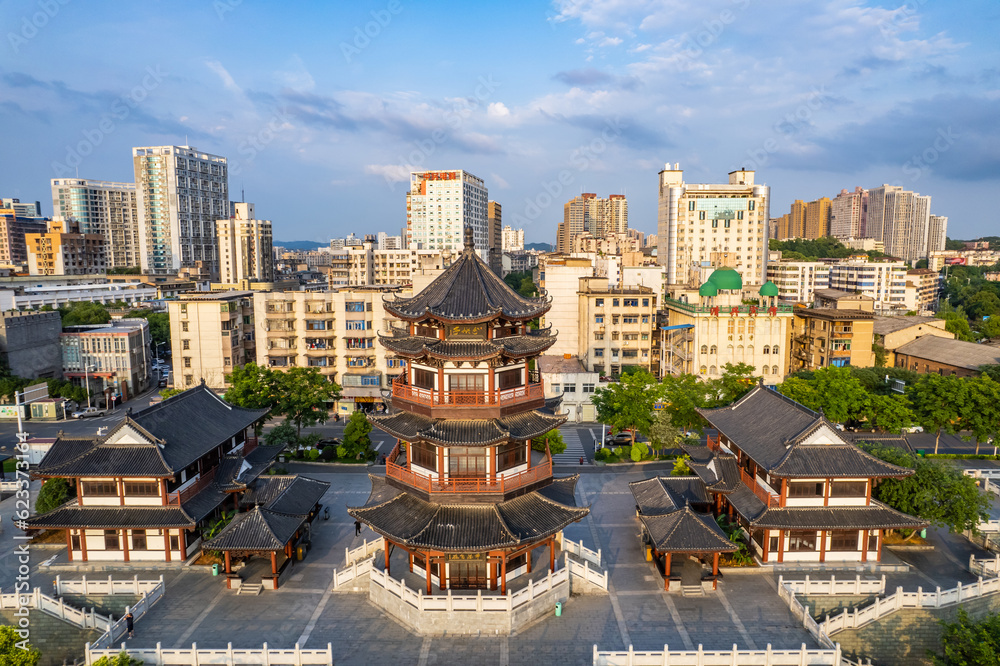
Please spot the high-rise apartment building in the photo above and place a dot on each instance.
(246, 247)
(901, 220)
(26, 209)
(495, 216)
(105, 208)
(63, 250)
(210, 334)
(587, 213)
(818, 218)
(805, 220)
(440, 205)
(884, 281)
(798, 280)
(722, 224)
(13, 228)
(180, 192)
(937, 233)
(386, 242)
(849, 214)
(513, 239)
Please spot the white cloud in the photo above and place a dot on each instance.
(610, 41)
(497, 181)
(498, 110)
(393, 173)
(227, 80)
(296, 76)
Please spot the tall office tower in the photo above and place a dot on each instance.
(721, 224)
(901, 220)
(180, 192)
(494, 214)
(105, 208)
(849, 214)
(937, 233)
(440, 204)
(513, 239)
(246, 247)
(793, 224)
(818, 218)
(589, 214)
(28, 209)
(13, 228)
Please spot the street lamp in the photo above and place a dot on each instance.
(157, 349)
(86, 380)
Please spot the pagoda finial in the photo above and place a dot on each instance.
(470, 243)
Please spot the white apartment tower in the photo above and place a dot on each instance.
(181, 192)
(440, 204)
(714, 224)
(849, 214)
(246, 247)
(513, 239)
(105, 208)
(901, 220)
(937, 233)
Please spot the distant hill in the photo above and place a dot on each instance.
(544, 247)
(300, 245)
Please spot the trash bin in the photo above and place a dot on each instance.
(920, 452)
(326, 513)
(649, 553)
(558, 609)
(923, 533)
(215, 569)
(301, 551)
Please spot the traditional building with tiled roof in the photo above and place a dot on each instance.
(463, 494)
(146, 488)
(800, 490)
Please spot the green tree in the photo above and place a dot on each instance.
(663, 433)
(991, 327)
(628, 403)
(121, 659)
(553, 438)
(801, 391)
(682, 396)
(283, 435)
(957, 324)
(168, 393)
(835, 391)
(302, 397)
(54, 493)
(991, 371)
(252, 386)
(881, 356)
(983, 304)
(159, 325)
(356, 434)
(84, 312)
(889, 413)
(967, 642)
(527, 288)
(514, 279)
(681, 467)
(938, 403)
(15, 651)
(937, 492)
(735, 382)
(981, 412)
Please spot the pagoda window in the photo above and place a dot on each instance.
(111, 540)
(138, 539)
(805, 488)
(100, 488)
(427, 331)
(142, 488)
(844, 541)
(511, 455)
(466, 461)
(466, 382)
(800, 540)
(423, 378)
(849, 489)
(510, 379)
(424, 455)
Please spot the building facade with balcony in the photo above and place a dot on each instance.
(616, 327)
(826, 336)
(802, 492)
(719, 323)
(147, 488)
(210, 334)
(110, 360)
(797, 281)
(465, 496)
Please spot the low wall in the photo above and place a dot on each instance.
(57, 640)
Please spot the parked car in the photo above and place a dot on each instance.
(87, 413)
(621, 439)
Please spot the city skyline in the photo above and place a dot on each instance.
(554, 100)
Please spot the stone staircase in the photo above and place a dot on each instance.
(252, 589)
(692, 591)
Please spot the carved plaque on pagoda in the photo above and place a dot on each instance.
(465, 557)
(466, 332)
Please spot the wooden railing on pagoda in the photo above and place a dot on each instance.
(179, 497)
(466, 485)
(249, 445)
(769, 498)
(426, 396)
(713, 443)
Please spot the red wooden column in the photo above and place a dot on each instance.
(667, 561)
(274, 568)
(69, 545)
(503, 574)
(491, 389)
(166, 545)
(552, 554)
(411, 561)
(441, 384)
(442, 584)
(125, 542)
(121, 492)
(427, 570)
(83, 543)
(822, 545)
(491, 563)
(781, 546)
(864, 545)
(784, 492)
(715, 571)
(764, 539)
(388, 550)
(879, 533)
(229, 563)
(527, 556)
(163, 491)
(826, 491)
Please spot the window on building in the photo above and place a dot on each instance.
(599, 302)
(424, 455)
(774, 349)
(801, 540)
(99, 488)
(187, 361)
(701, 215)
(645, 302)
(188, 380)
(713, 349)
(557, 388)
(614, 302)
(774, 370)
(712, 370)
(185, 344)
(111, 540)
(569, 388)
(423, 378)
(805, 488)
(511, 455)
(598, 336)
(704, 349)
(354, 306)
(466, 382)
(142, 488)
(765, 370)
(599, 353)
(630, 302)
(645, 319)
(599, 319)
(847, 540)
(588, 388)
(510, 379)
(767, 350)
(690, 205)
(138, 539)
(184, 326)
(466, 461)
(704, 369)
(849, 489)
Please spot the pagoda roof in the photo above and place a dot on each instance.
(411, 521)
(720, 472)
(99, 457)
(412, 346)
(664, 505)
(467, 291)
(466, 432)
(790, 440)
(73, 515)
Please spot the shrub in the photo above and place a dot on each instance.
(636, 453)
(283, 435)
(329, 453)
(341, 451)
(602, 454)
(681, 467)
(623, 451)
(54, 493)
(121, 659)
(643, 450)
(312, 454)
(311, 440)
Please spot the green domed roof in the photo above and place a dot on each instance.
(726, 278)
(708, 289)
(769, 289)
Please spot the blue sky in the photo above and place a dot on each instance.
(322, 122)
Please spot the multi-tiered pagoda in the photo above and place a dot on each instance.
(463, 494)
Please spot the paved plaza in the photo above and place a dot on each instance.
(745, 610)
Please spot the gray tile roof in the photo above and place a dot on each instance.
(466, 432)
(411, 521)
(112, 517)
(193, 423)
(719, 473)
(687, 531)
(513, 346)
(76, 458)
(947, 351)
(875, 516)
(663, 494)
(835, 461)
(885, 325)
(467, 291)
(257, 529)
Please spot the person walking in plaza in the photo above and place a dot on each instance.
(128, 624)
(357, 528)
